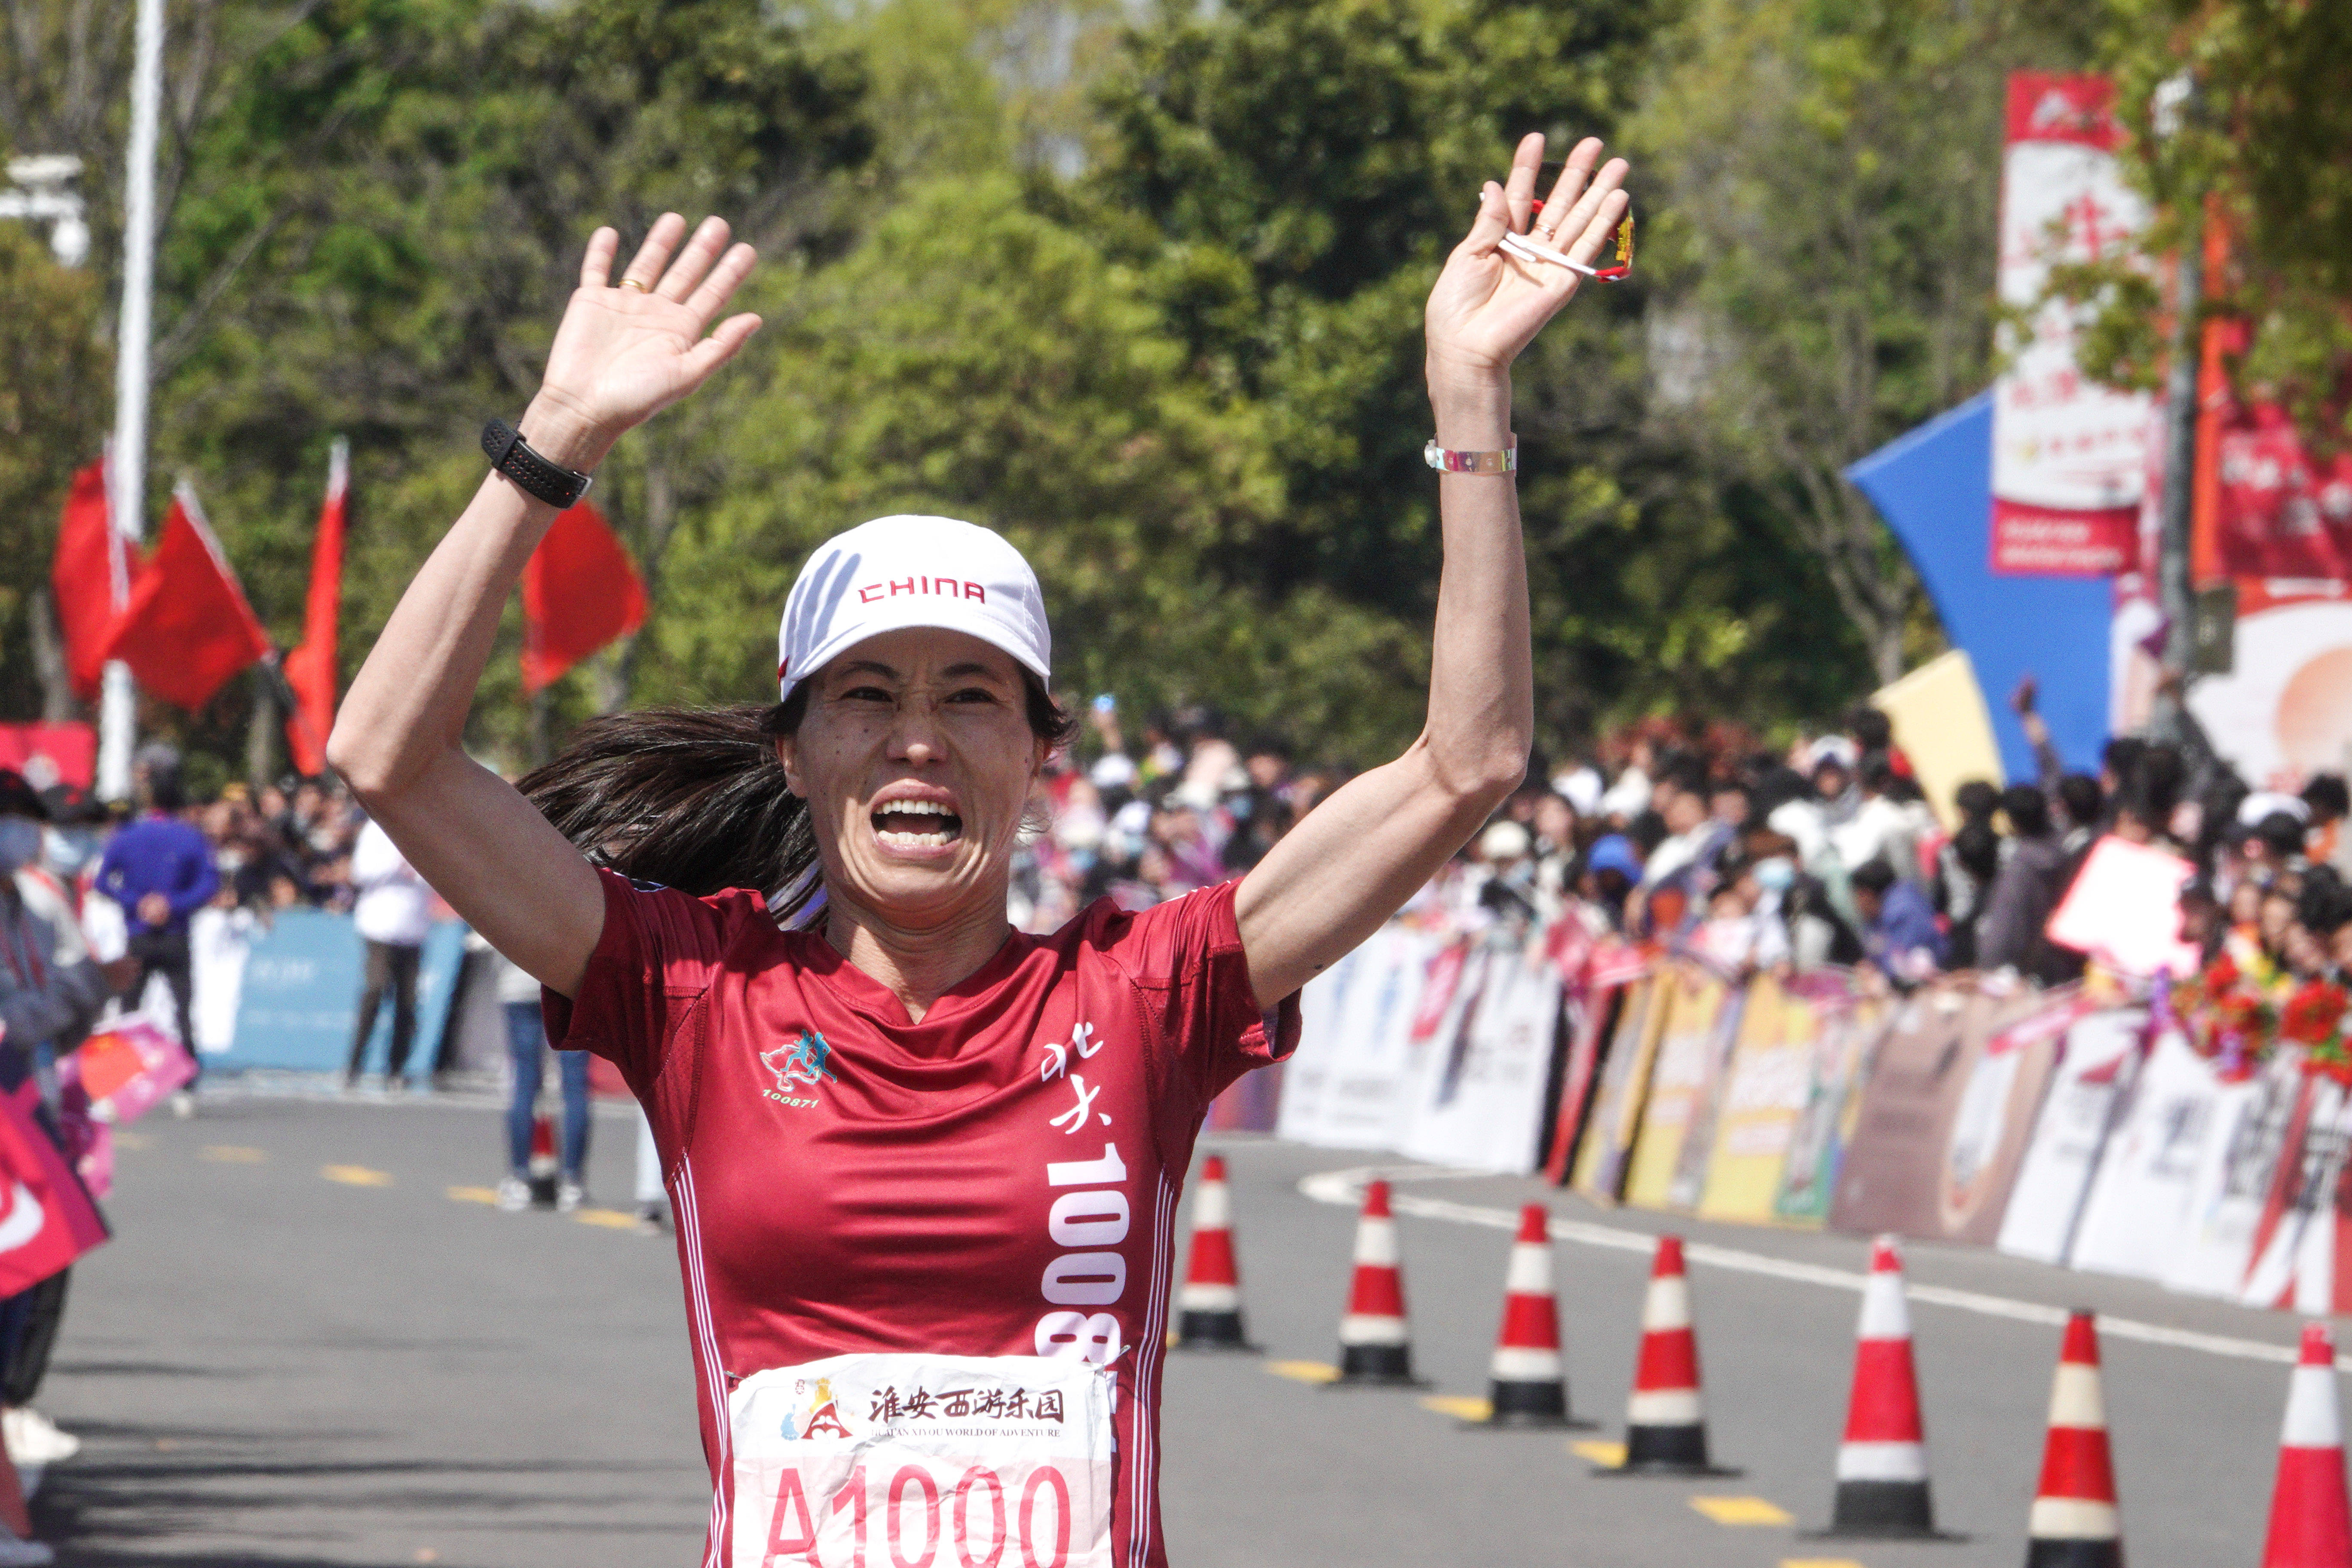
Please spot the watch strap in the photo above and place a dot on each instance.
(1446, 461)
(532, 473)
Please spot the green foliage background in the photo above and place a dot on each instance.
(1140, 288)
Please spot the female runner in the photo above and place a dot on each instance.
(925, 1169)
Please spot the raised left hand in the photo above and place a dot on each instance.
(1489, 305)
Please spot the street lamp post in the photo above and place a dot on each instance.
(127, 471)
(2175, 98)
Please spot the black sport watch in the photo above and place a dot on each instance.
(510, 455)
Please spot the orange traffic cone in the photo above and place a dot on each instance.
(1374, 1345)
(2073, 1524)
(542, 1160)
(1528, 1387)
(1881, 1464)
(1208, 1307)
(2311, 1521)
(1665, 1428)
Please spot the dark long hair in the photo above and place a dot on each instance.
(695, 799)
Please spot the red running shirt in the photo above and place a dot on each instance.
(845, 1180)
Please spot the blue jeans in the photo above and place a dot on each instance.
(527, 1046)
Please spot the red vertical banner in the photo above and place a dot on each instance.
(89, 577)
(187, 627)
(311, 667)
(2068, 454)
(580, 590)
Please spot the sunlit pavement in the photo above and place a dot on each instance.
(313, 1342)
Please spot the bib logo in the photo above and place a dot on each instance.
(823, 1418)
(804, 1063)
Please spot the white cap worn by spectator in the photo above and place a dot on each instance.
(2263, 801)
(912, 570)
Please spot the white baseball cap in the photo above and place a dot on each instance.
(910, 570)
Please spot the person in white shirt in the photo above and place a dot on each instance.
(392, 914)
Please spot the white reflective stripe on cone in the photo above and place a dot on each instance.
(1884, 1315)
(1213, 1208)
(1529, 1273)
(1667, 1306)
(1208, 1299)
(1376, 1242)
(1361, 1329)
(2075, 1397)
(1664, 1407)
(2313, 1420)
(1882, 1462)
(1513, 1364)
(2072, 1519)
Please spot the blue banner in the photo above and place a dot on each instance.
(300, 998)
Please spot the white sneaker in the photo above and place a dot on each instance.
(569, 1196)
(183, 1105)
(16, 1553)
(34, 1439)
(514, 1193)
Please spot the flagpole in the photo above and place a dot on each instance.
(127, 470)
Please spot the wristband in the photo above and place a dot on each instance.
(530, 472)
(1505, 461)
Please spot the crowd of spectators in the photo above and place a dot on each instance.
(1747, 857)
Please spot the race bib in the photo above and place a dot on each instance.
(923, 1461)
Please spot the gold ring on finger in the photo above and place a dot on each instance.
(633, 283)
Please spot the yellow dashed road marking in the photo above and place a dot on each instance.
(1742, 1511)
(357, 1176)
(1599, 1450)
(474, 1194)
(133, 1140)
(232, 1154)
(612, 1219)
(1304, 1371)
(1459, 1406)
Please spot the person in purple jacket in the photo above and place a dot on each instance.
(161, 871)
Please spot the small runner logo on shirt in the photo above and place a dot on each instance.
(802, 1062)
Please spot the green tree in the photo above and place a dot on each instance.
(1830, 173)
(1289, 173)
(2265, 148)
(53, 406)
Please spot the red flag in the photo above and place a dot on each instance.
(47, 1220)
(311, 668)
(580, 590)
(187, 627)
(89, 577)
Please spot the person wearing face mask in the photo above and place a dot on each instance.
(925, 1169)
(50, 992)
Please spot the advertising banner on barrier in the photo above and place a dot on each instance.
(1850, 1032)
(1943, 1118)
(2303, 1190)
(1477, 1099)
(298, 994)
(2137, 1209)
(1346, 1086)
(1765, 1093)
(1616, 1116)
(2236, 1169)
(1700, 1018)
(1587, 1021)
(2087, 1093)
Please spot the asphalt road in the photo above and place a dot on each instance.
(311, 1343)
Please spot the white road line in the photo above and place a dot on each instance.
(1345, 1188)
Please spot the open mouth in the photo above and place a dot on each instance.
(916, 825)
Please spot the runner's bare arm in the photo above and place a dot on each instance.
(1359, 855)
(621, 354)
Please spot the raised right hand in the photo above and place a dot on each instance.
(627, 351)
